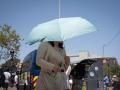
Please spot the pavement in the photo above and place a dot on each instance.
(10, 88)
(14, 88)
(22, 88)
(110, 88)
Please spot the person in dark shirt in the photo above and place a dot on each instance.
(2, 79)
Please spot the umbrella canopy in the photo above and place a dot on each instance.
(60, 29)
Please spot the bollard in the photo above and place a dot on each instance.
(34, 80)
(84, 85)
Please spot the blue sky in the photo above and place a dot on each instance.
(23, 15)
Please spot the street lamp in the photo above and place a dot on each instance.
(12, 56)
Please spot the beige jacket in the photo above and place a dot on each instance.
(46, 58)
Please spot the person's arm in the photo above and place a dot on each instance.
(67, 62)
(67, 59)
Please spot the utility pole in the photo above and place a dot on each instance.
(59, 9)
(104, 49)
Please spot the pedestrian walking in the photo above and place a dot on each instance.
(106, 81)
(11, 81)
(51, 58)
(2, 79)
(114, 82)
(7, 78)
(16, 81)
(68, 74)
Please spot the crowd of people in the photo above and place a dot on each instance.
(111, 83)
(7, 79)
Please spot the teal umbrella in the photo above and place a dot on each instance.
(60, 29)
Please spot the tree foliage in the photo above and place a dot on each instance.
(115, 69)
(112, 70)
(9, 40)
(107, 70)
(11, 64)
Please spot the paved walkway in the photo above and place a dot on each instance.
(20, 88)
(10, 88)
(110, 88)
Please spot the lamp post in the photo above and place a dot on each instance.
(12, 54)
(12, 57)
(104, 45)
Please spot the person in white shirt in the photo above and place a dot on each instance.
(67, 74)
(7, 77)
(16, 80)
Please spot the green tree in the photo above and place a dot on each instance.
(9, 40)
(11, 64)
(115, 69)
(107, 70)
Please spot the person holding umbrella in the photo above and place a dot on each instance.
(51, 58)
(51, 55)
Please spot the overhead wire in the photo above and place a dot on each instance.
(110, 41)
(114, 37)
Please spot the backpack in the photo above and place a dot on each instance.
(35, 66)
(35, 69)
